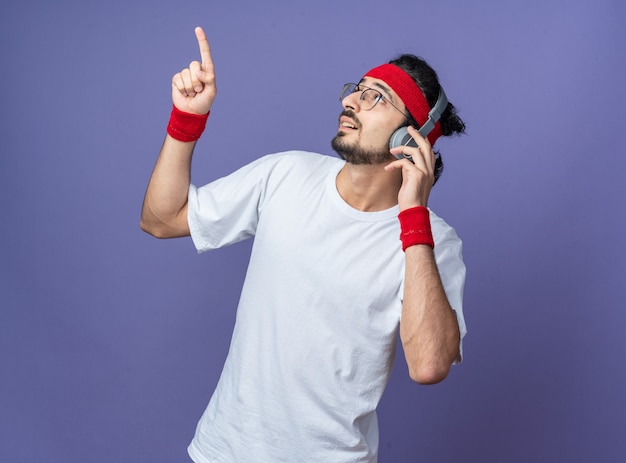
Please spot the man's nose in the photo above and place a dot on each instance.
(352, 101)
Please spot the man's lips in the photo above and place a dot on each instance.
(347, 123)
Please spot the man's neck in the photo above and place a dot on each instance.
(369, 188)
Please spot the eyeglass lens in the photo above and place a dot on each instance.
(368, 95)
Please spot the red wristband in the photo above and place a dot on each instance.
(186, 126)
(415, 227)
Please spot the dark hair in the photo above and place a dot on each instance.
(426, 79)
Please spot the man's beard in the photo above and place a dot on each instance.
(354, 154)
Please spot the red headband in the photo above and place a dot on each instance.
(410, 94)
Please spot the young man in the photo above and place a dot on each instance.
(329, 284)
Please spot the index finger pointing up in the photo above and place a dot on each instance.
(203, 43)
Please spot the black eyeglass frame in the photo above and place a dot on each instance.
(351, 87)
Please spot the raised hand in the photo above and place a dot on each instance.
(418, 178)
(193, 88)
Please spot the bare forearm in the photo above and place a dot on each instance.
(164, 212)
(429, 329)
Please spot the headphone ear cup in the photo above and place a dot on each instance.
(401, 137)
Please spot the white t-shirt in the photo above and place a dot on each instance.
(316, 327)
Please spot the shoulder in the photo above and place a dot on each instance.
(444, 234)
(296, 165)
(299, 158)
(279, 169)
(448, 254)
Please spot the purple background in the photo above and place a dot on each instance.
(111, 341)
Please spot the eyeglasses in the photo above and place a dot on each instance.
(369, 96)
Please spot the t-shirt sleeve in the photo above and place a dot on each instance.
(452, 271)
(226, 210)
(449, 257)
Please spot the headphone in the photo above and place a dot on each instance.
(401, 136)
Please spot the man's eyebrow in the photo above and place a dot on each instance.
(382, 87)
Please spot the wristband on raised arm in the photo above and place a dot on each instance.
(186, 127)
